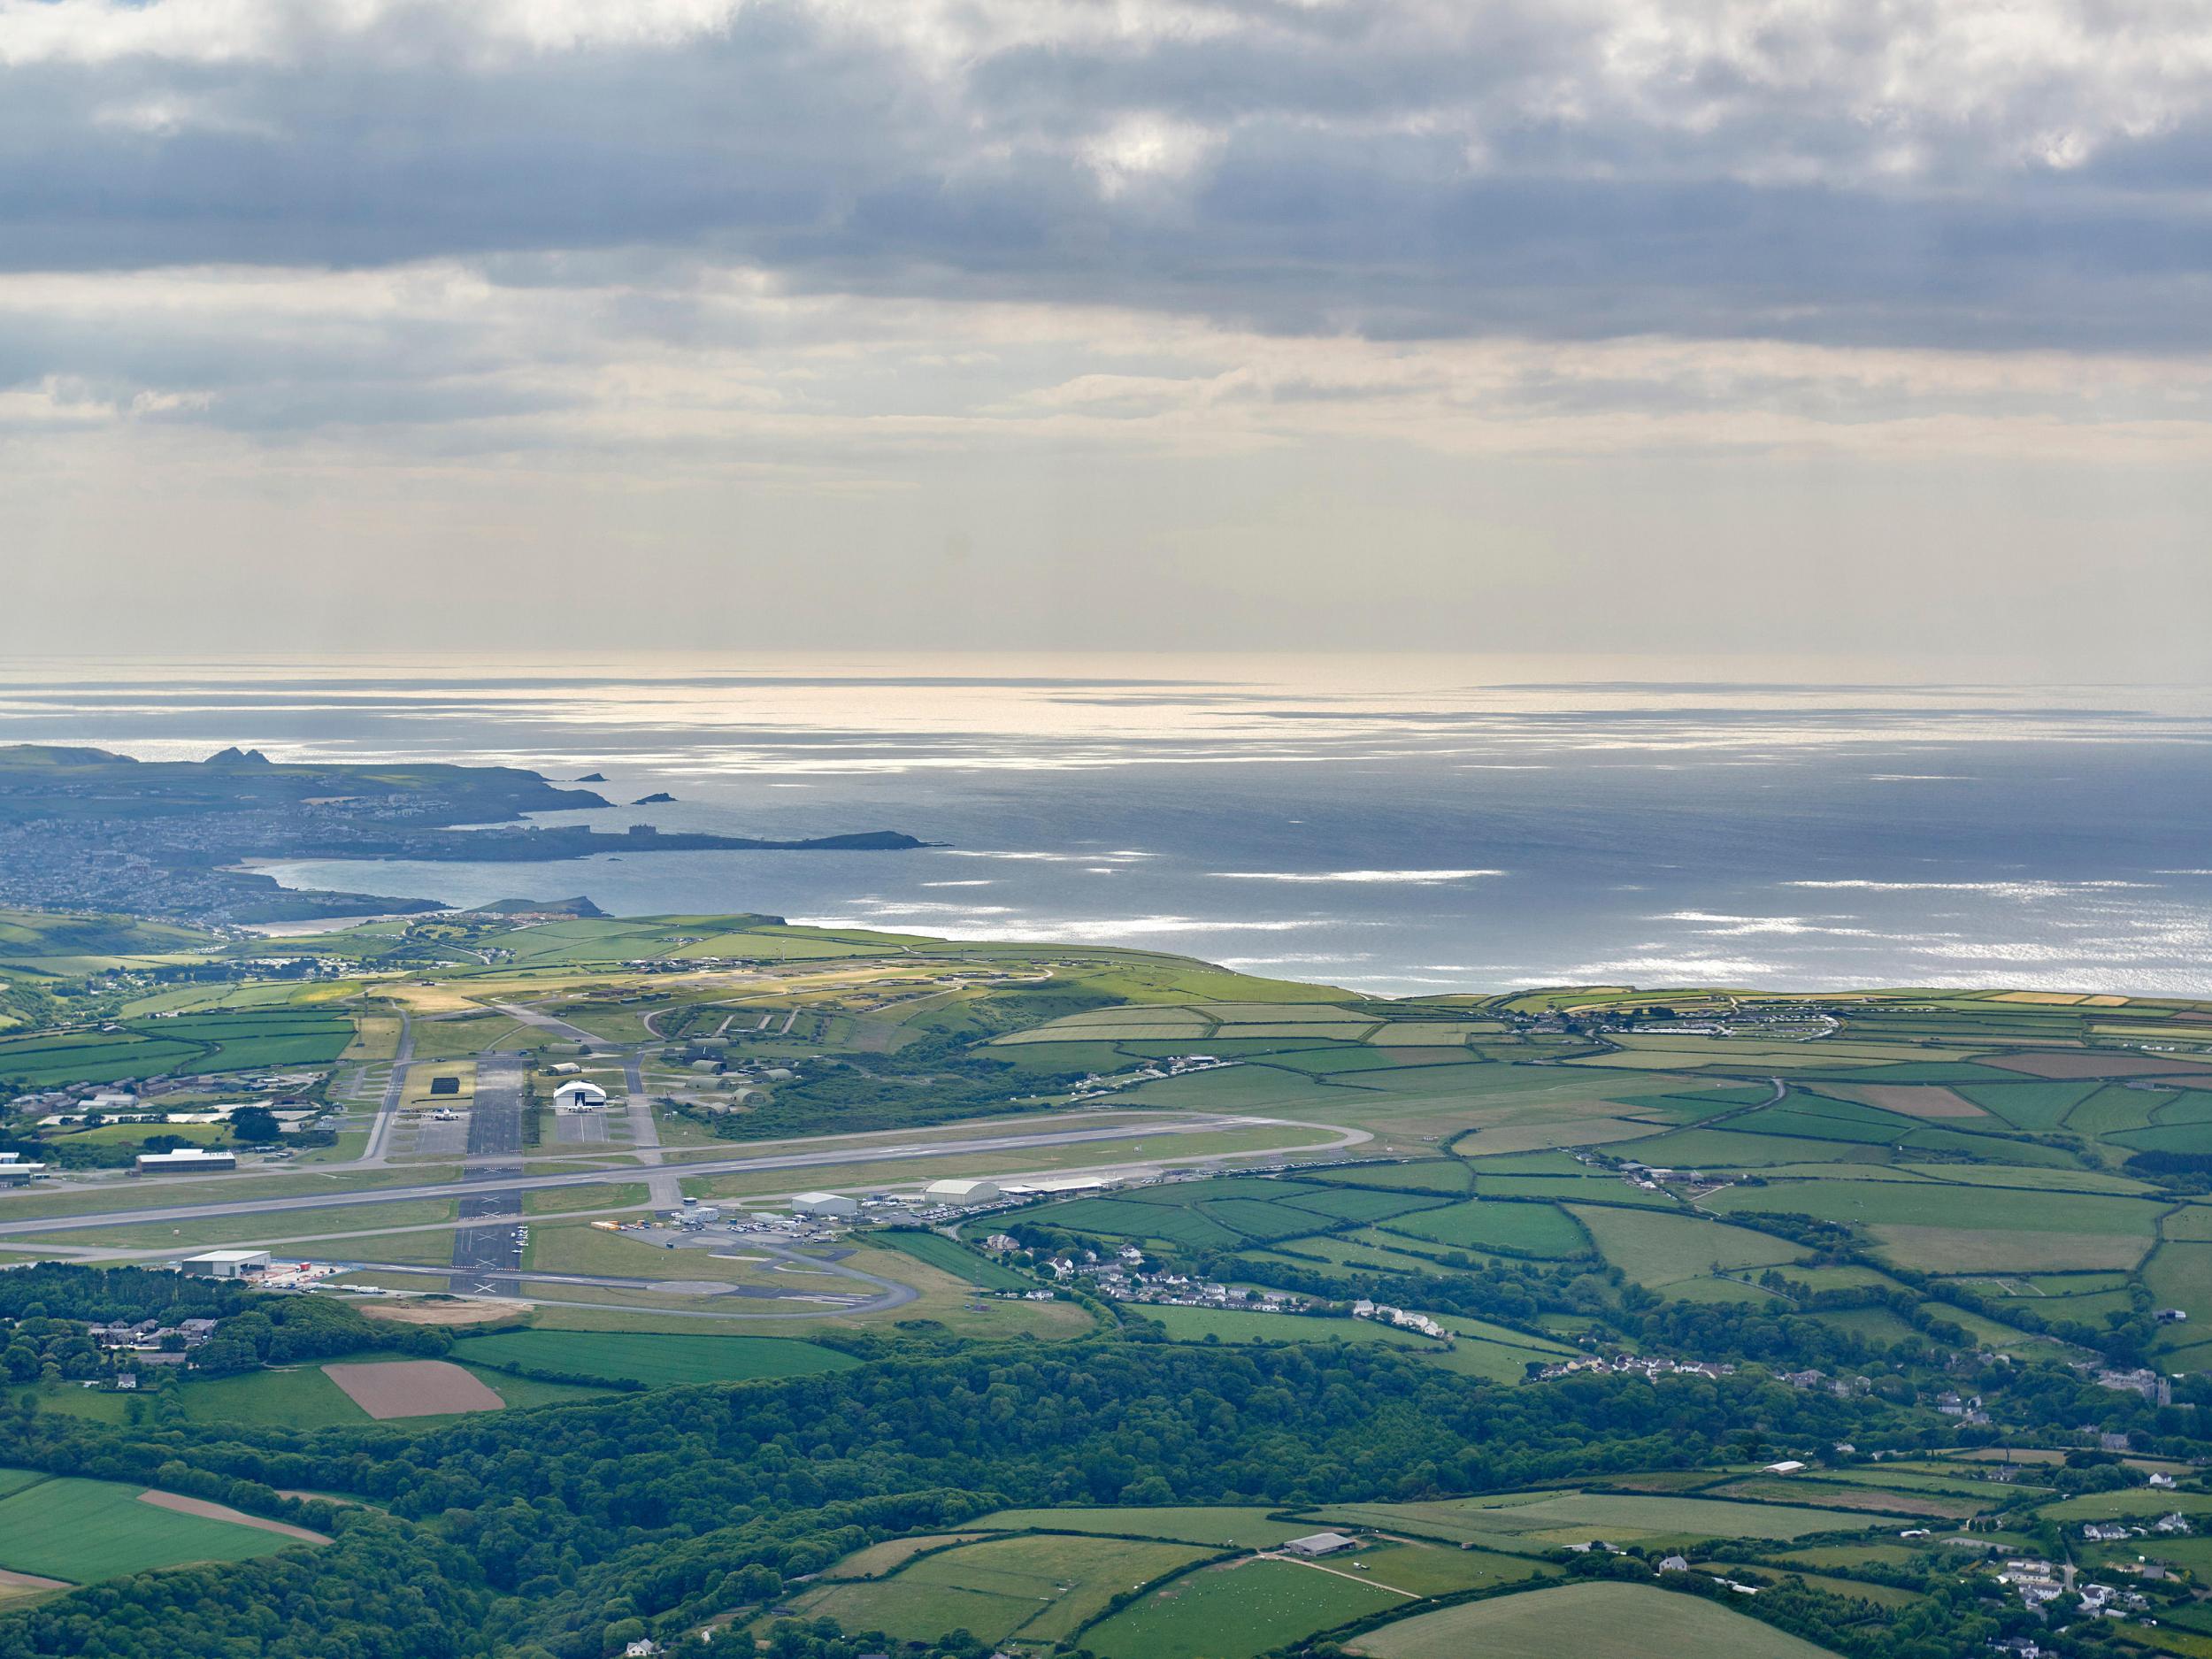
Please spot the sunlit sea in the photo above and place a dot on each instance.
(1392, 825)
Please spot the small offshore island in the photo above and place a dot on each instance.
(84, 829)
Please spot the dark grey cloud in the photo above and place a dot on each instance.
(1391, 171)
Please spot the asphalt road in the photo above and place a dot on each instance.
(475, 1185)
(888, 1292)
(666, 1191)
(388, 1114)
(547, 1022)
(488, 1258)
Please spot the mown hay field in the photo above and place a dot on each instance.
(1235, 1612)
(86, 1530)
(1592, 1621)
(657, 1361)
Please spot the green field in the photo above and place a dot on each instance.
(1543, 1521)
(237, 1041)
(657, 1361)
(85, 1530)
(1972, 1207)
(1530, 1229)
(1040, 1588)
(1591, 1621)
(1431, 1570)
(1656, 1250)
(1195, 1324)
(1442, 1175)
(1227, 1211)
(1235, 1612)
(296, 1396)
(950, 1256)
(1217, 1527)
(1913, 1159)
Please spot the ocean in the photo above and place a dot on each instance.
(1391, 825)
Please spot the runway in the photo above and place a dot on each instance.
(507, 1182)
(488, 1257)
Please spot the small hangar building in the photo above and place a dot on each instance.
(962, 1193)
(185, 1161)
(227, 1263)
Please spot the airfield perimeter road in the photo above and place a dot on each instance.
(888, 1292)
(544, 1021)
(489, 1256)
(472, 1185)
(373, 1154)
(666, 1191)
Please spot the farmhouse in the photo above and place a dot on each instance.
(185, 1160)
(1320, 1544)
(824, 1204)
(962, 1193)
(225, 1263)
(579, 1097)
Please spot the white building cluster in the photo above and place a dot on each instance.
(1382, 1313)
(1636, 1364)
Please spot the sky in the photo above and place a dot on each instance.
(1715, 326)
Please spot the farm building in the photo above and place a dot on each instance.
(579, 1097)
(1320, 1544)
(225, 1263)
(185, 1160)
(961, 1193)
(824, 1204)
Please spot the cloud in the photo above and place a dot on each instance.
(1654, 970)
(1151, 306)
(1971, 171)
(1411, 878)
(2030, 891)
